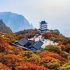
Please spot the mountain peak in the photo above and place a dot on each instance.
(15, 21)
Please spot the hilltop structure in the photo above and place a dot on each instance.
(43, 26)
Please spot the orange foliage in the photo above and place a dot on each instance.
(19, 59)
(3, 44)
(47, 59)
(47, 35)
(51, 54)
(30, 66)
(4, 67)
(7, 48)
(12, 59)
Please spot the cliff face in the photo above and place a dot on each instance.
(4, 28)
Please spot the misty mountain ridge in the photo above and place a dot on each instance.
(15, 21)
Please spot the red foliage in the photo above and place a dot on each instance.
(30, 66)
(10, 59)
(47, 35)
(3, 44)
(6, 47)
(4, 67)
(51, 54)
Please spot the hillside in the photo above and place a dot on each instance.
(51, 58)
(27, 33)
(4, 28)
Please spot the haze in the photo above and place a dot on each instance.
(55, 12)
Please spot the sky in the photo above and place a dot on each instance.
(55, 12)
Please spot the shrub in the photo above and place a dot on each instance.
(51, 54)
(66, 48)
(30, 66)
(51, 62)
(53, 48)
(4, 67)
(65, 66)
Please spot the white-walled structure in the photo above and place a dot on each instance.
(46, 42)
(43, 26)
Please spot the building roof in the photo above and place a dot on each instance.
(38, 45)
(23, 41)
(29, 44)
(43, 22)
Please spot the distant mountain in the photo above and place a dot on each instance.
(4, 28)
(14, 21)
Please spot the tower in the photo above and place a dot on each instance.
(43, 26)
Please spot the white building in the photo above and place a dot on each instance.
(46, 42)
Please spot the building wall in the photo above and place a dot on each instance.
(43, 26)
